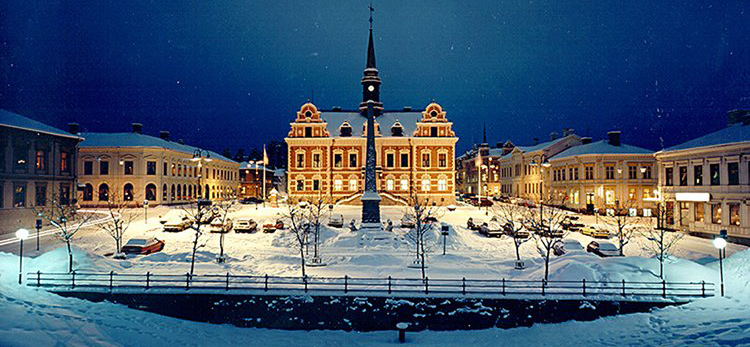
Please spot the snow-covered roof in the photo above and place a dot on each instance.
(540, 146)
(18, 121)
(732, 134)
(408, 120)
(254, 166)
(600, 147)
(119, 140)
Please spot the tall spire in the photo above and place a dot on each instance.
(371, 80)
(484, 130)
(370, 45)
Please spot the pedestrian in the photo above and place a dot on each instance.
(352, 226)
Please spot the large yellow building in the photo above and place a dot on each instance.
(137, 167)
(415, 150)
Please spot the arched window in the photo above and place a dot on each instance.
(208, 192)
(151, 192)
(127, 192)
(190, 192)
(103, 192)
(184, 192)
(164, 193)
(88, 192)
(179, 192)
(173, 194)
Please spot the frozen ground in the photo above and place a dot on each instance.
(36, 318)
(468, 254)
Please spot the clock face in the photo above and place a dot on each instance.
(371, 88)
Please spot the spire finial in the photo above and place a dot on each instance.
(484, 129)
(371, 10)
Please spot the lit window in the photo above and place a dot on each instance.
(338, 185)
(443, 185)
(404, 184)
(352, 184)
(426, 184)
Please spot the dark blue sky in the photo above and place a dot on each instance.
(232, 73)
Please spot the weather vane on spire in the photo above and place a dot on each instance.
(371, 9)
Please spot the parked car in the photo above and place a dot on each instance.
(208, 216)
(473, 224)
(566, 246)
(217, 226)
(270, 226)
(250, 200)
(485, 202)
(509, 230)
(177, 222)
(603, 248)
(143, 246)
(569, 223)
(595, 232)
(336, 220)
(430, 219)
(492, 228)
(408, 221)
(245, 225)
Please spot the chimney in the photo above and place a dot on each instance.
(164, 135)
(585, 140)
(553, 136)
(536, 141)
(736, 116)
(568, 132)
(336, 109)
(407, 108)
(614, 138)
(137, 128)
(181, 141)
(74, 128)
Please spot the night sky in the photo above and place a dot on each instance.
(233, 73)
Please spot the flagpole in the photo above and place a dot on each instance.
(265, 162)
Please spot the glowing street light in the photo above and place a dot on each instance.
(720, 242)
(21, 234)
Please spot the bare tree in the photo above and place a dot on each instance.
(120, 216)
(315, 213)
(546, 220)
(624, 225)
(662, 242)
(511, 215)
(66, 219)
(197, 213)
(222, 209)
(296, 217)
(423, 213)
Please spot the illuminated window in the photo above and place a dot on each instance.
(404, 184)
(699, 212)
(338, 185)
(443, 185)
(734, 213)
(352, 184)
(41, 160)
(389, 184)
(426, 184)
(425, 160)
(716, 213)
(609, 172)
(442, 160)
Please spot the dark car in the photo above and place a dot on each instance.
(473, 225)
(250, 200)
(603, 249)
(143, 246)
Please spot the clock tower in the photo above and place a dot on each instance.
(371, 80)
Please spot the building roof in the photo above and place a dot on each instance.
(600, 147)
(734, 133)
(18, 121)
(540, 146)
(254, 166)
(119, 140)
(408, 120)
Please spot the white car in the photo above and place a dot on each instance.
(245, 225)
(336, 220)
(177, 222)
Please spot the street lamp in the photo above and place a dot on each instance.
(21, 234)
(720, 242)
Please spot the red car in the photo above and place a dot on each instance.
(143, 246)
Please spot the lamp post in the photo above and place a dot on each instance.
(720, 242)
(38, 228)
(21, 234)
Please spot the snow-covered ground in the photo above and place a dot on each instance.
(32, 317)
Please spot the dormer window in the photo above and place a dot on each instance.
(308, 114)
(345, 130)
(397, 129)
(433, 114)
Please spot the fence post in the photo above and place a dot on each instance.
(39, 279)
(544, 282)
(148, 279)
(187, 281)
(111, 279)
(74, 279)
(346, 284)
(703, 289)
(584, 287)
(227, 287)
(623, 287)
(304, 279)
(663, 288)
(426, 285)
(503, 286)
(389, 284)
(265, 286)
(463, 286)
